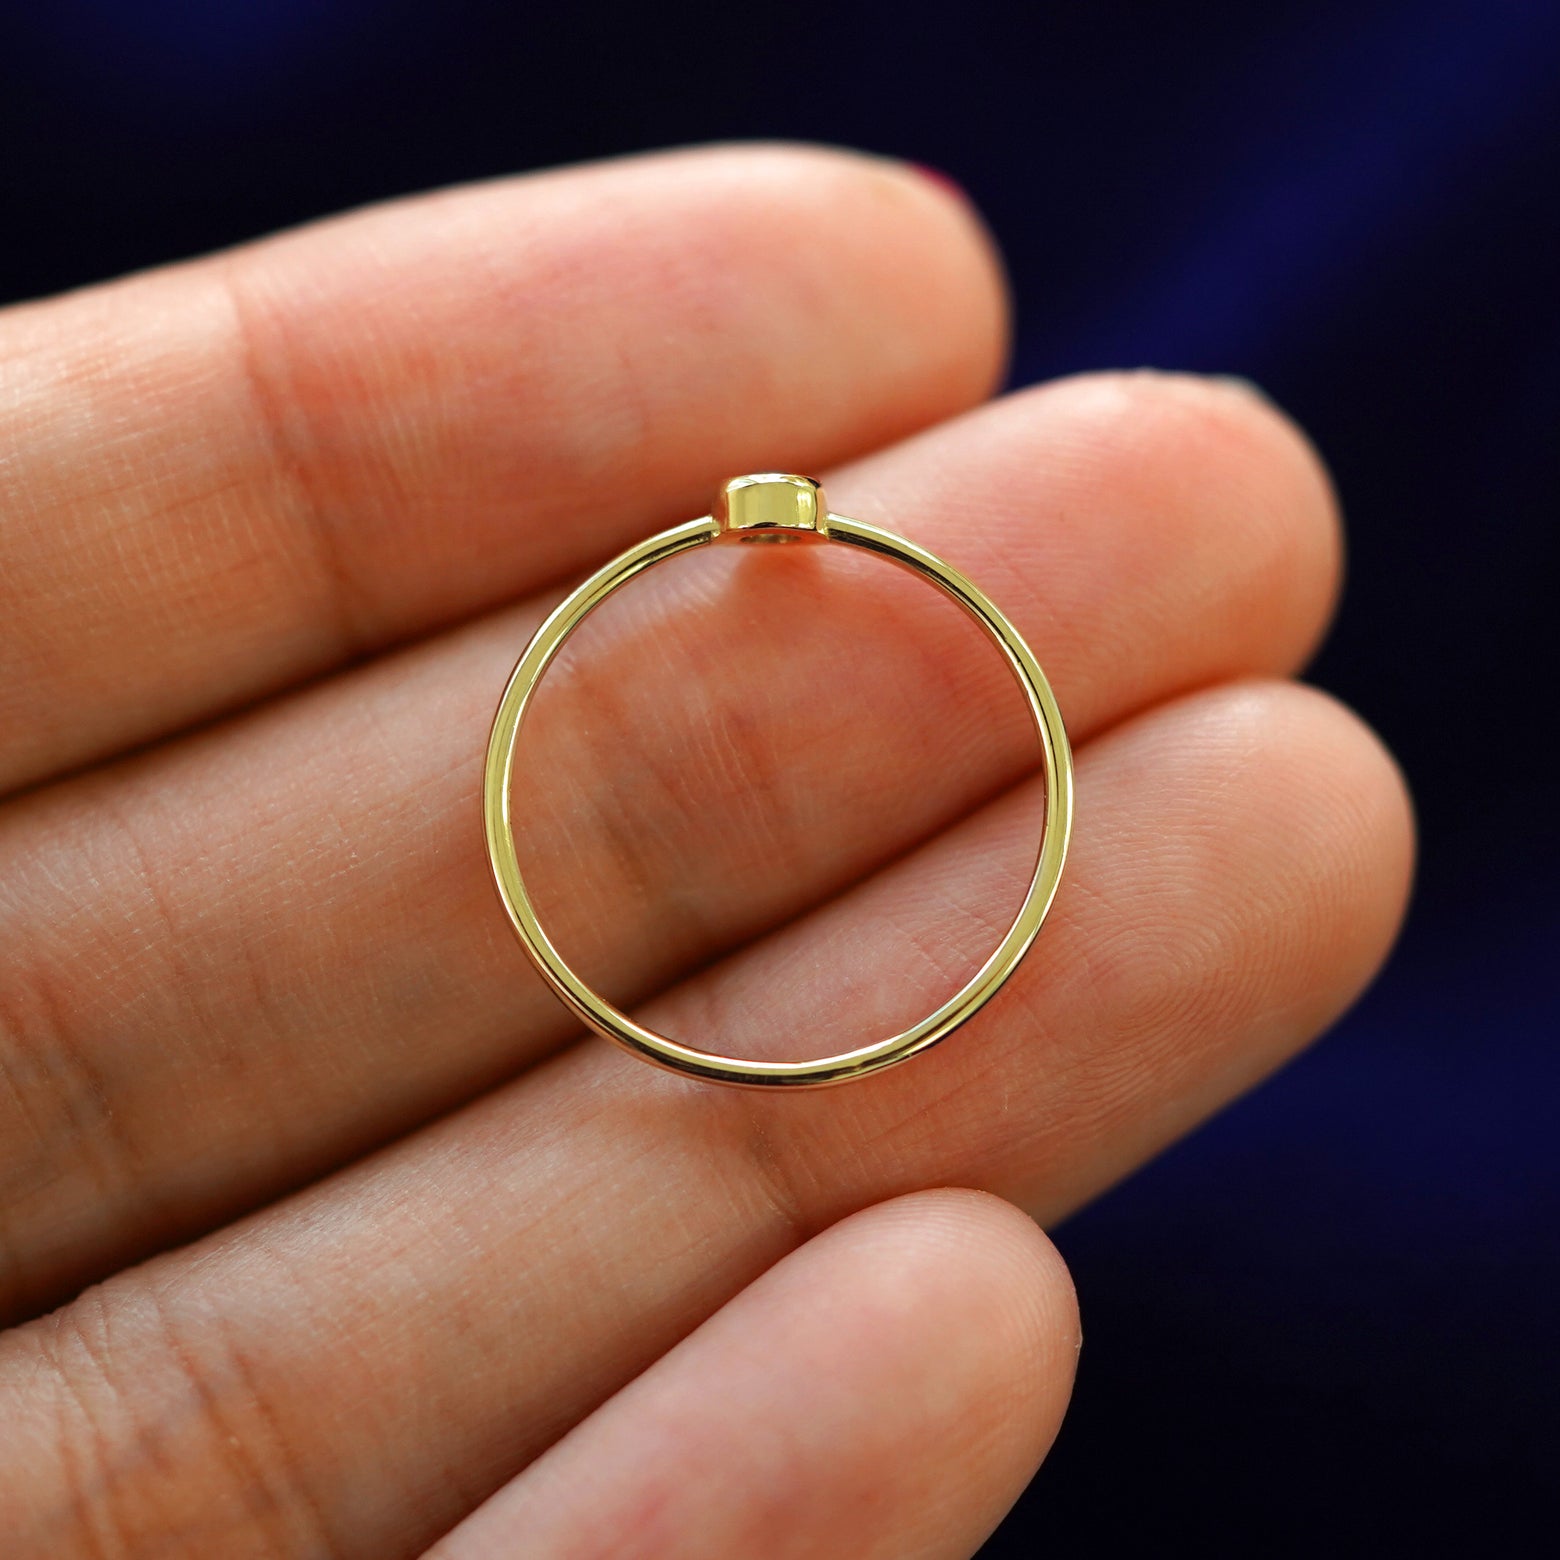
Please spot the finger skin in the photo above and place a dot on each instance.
(287, 926)
(887, 1390)
(227, 476)
(462, 1299)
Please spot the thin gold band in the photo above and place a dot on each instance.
(769, 506)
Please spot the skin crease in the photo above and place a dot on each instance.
(262, 1024)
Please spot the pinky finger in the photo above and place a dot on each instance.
(885, 1391)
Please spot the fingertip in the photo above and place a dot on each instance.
(979, 266)
(1292, 496)
(1219, 449)
(973, 1255)
(1359, 790)
(959, 280)
(1299, 798)
(965, 1224)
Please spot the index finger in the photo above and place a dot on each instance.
(231, 475)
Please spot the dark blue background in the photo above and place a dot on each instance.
(1326, 1324)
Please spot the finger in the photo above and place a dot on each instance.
(464, 1298)
(228, 476)
(886, 1390)
(1147, 534)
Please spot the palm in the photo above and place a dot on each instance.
(262, 1023)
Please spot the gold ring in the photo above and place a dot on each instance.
(773, 506)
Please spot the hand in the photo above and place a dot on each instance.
(381, 1254)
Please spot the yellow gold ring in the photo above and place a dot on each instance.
(772, 506)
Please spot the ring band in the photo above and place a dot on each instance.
(773, 506)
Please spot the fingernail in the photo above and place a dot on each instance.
(945, 181)
(1244, 386)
